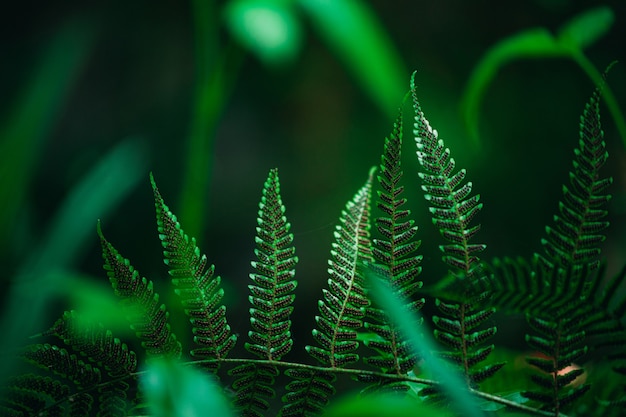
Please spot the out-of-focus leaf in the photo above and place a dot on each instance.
(384, 406)
(532, 43)
(357, 37)
(586, 28)
(268, 28)
(175, 390)
(36, 110)
(451, 383)
(579, 33)
(98, 193)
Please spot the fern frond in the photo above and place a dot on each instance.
(272, 292)
(30, 393)
(308, 393)
(559, 290)
(106, 352)
(396, 252)
(198, 288)
(453, 209)
(575, 237)
(96, 343)
(271, 298)
(148, 317)
(60, 362)
(341, 311)
(344, 304)
(561, 343)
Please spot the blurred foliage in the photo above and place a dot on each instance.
(173, 389)
(218, 99)
(579, 33)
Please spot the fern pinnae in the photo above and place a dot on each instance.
(576, 234)
(453, 209)
(344, 304)
(68, 366)
(271, 298)
(196, 285)
(104, 350)
(571, 261)
(342, 309)
(147, 316)
(395, 251)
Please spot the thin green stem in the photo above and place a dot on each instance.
(216, 69)
(345, 371)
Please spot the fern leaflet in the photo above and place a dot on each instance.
(271, 298)
(452, 210)
(395, 251)
(341, 311)
(199, 289)
(147, 316)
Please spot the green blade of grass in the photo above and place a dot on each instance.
(451, 383)
(351, 29)
(35, 112)
(216, 71)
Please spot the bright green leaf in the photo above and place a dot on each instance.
(450, 381)
(586, 28)
(268, 28)
(176, 390)
(384, 406)
(352, 30)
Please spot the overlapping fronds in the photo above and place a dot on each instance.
(32, 394)
(453, 208)
(197, 286)
(67, 383)
(396, 251)
(271, 298)
(341, 310)
(104, 351)
(96, 343)
(147, 316)
(560, 291)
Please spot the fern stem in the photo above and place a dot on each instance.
(346, 371)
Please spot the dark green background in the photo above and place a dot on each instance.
(311, 119)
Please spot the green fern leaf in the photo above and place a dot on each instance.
(96, 343)
(60, 362)
(453, 209)
(575, 237)
(308, 393)
(106, 352)
(559, 290)
(341, 311)
(31, 394)
(199, 289)
(395, 251)
(274, 282)
(271, 298)
(147, 316)
(344, 304)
